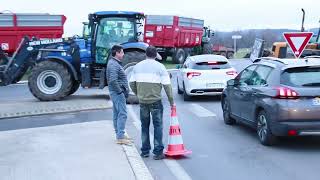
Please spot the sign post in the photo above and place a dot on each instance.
(297, 41)
(235, 37)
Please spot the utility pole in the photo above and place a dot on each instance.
(303, 15)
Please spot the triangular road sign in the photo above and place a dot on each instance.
(297, 41)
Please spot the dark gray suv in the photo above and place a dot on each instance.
(277, 97)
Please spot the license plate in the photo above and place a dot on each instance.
(215, 85)
(316, 101)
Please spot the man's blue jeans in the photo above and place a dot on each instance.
(156, 111)
(119, 113)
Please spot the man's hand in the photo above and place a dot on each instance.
(126, 94)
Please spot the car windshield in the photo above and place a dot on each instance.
(301, 77)
(209, 65)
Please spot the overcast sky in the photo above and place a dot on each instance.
(225, 15)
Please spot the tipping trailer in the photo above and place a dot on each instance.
(173, 35)
(223, 51)
(14, 27)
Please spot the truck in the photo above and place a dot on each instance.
(223, 51)
(15, 26)
(59, 66)
(174, 36)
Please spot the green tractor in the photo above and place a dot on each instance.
(206, 45)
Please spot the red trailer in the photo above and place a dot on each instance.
(13, 27)
(173, 35)
(223, 51)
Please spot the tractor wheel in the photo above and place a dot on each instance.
(188, 52)
(130, 59)
(207, 48)
(50, 81)
(230, 55)
(75, 87)
(164, 56)
(223, 54)
(179, 56)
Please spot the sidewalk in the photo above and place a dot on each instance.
(84, 99)
(83, 151)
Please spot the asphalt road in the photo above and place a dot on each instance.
(219, 151)
(233, 152)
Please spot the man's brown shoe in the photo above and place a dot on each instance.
(127, 137)
(124, 142)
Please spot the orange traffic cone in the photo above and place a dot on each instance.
(175, 143)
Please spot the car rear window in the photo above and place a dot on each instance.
(301, 77)
(210, 65)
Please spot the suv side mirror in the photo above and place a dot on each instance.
(231, 82)
(178, 66)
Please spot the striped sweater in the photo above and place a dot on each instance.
(147, 79)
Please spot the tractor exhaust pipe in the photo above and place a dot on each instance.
(303, 15)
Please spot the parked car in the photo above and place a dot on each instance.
(277, 97)
(204, 75)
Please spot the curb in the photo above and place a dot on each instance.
(54, 110)
(138, 167)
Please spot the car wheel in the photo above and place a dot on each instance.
(263, 129)
(186, 97)
(226, 112)
(178, 88)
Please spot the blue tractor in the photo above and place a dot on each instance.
(59, 66)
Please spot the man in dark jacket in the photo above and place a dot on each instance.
(119, 91)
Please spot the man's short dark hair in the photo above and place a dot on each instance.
(115, 49)
(151, 52)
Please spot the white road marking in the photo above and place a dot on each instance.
(177, 170)
(201, 111)
(22, 82)
(172, 165)
(64, 116)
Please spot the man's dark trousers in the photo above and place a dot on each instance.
(156, 111)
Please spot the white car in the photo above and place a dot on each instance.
(204, 75)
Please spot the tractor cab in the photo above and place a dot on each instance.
(112, 27)
(207, 34)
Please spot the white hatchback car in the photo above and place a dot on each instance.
(204, 75)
